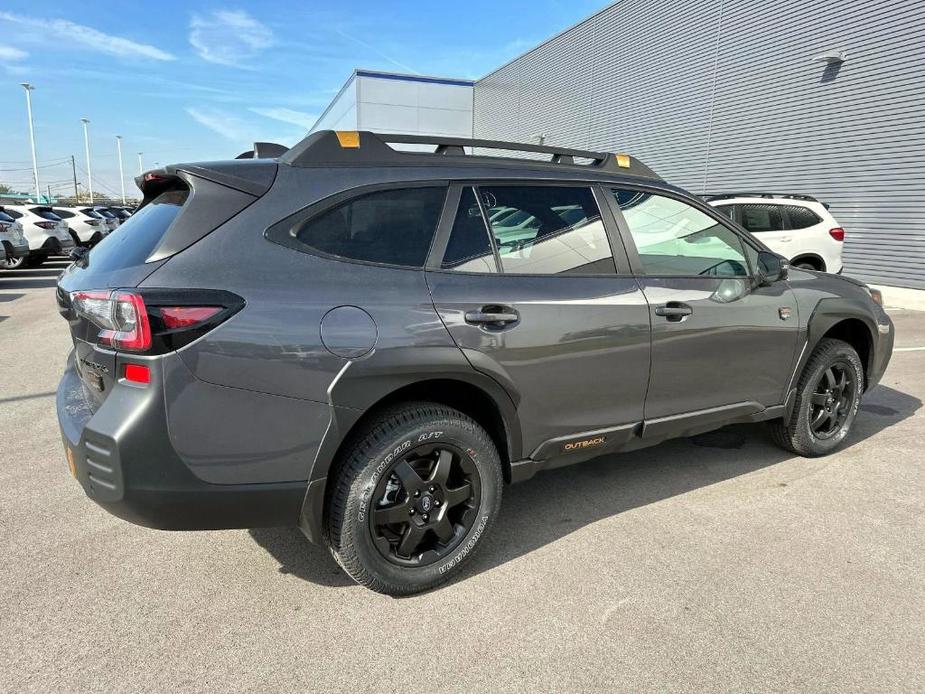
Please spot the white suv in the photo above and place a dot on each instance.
(798, 227)
(45, 231)
(14, 243)
(88, 227)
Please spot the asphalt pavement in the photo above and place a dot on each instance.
(719, 563)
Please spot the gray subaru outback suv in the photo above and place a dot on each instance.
(370, 343)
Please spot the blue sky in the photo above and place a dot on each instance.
(185, 81)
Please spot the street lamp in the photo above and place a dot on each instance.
(141, 166)
(121, 172)
(35, 166)
(86, 122)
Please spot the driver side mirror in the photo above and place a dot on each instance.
(771, 268)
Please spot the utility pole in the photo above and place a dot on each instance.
(121, 172)
(74, 172)
(48, 199)
(35, 166)
(86, 122)
(141, 166)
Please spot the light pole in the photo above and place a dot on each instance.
(141, 166)
(35, 166)
(86, 122)
(121, 172)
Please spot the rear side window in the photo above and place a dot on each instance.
(46, 213)
(801, 217)
(394, 227)
(135, 240)
(758, 217)
(725, 209)
(469, 248)
(553, 230)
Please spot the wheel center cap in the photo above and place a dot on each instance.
(426, 503)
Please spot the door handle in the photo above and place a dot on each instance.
(493, 316)
(674, 311)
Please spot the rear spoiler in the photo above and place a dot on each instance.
(264, 150)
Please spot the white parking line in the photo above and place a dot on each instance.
(909, 349)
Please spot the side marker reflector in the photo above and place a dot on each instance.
(137, 373)
(349, 139)
(623, 161)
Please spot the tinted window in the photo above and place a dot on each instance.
(136, 239)
(551, 230)
(13, 213)
(469, 248)
(105, 213)
(390, 226)
(4, 217)
(673, 238)
(758, 217)
(725, 209)
(64, 214)
(801, 217)
(46, 213)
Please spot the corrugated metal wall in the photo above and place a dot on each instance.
(725, 95)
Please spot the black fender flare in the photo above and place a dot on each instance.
(828, 313)
(363, 383)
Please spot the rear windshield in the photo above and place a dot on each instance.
(139, 235)
(46, 213)
(64, 214)
(4, 217)
(106, 213)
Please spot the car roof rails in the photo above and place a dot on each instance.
(790, 196)
(264, 150)
(364, 148)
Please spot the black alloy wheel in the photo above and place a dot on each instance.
(830, 403)
(425, 505)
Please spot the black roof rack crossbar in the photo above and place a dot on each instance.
(792, 196)
(327, 147)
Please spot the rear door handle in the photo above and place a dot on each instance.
(674, 311)
(493, 316)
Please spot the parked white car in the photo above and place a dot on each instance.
(112, 220)
(45, 231)
(798, 227)
(88, 227)
(12, 241)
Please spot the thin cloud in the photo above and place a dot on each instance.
(228, 37)
(287, 115)
(87, 37)
(8, 54)
(225, 124)
(375, 50)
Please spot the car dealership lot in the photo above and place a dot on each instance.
(714, 563)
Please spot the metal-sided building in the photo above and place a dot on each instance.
(796, 96)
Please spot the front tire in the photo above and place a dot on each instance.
(827, 401)
(413, 498)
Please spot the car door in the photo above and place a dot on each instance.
(719, 341)
(547, 308)
(769, 224)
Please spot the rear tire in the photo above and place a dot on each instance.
(827, 401)
(413, 497)
(13, 263)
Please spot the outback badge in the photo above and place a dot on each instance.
(584, 443)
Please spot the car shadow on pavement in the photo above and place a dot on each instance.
(558, 502)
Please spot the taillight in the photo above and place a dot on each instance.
(120, 314)
(153, 321)
(837, 233)
(47, 225)
(186, 316)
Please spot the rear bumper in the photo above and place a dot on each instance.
(123, 458)
(55, 246)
